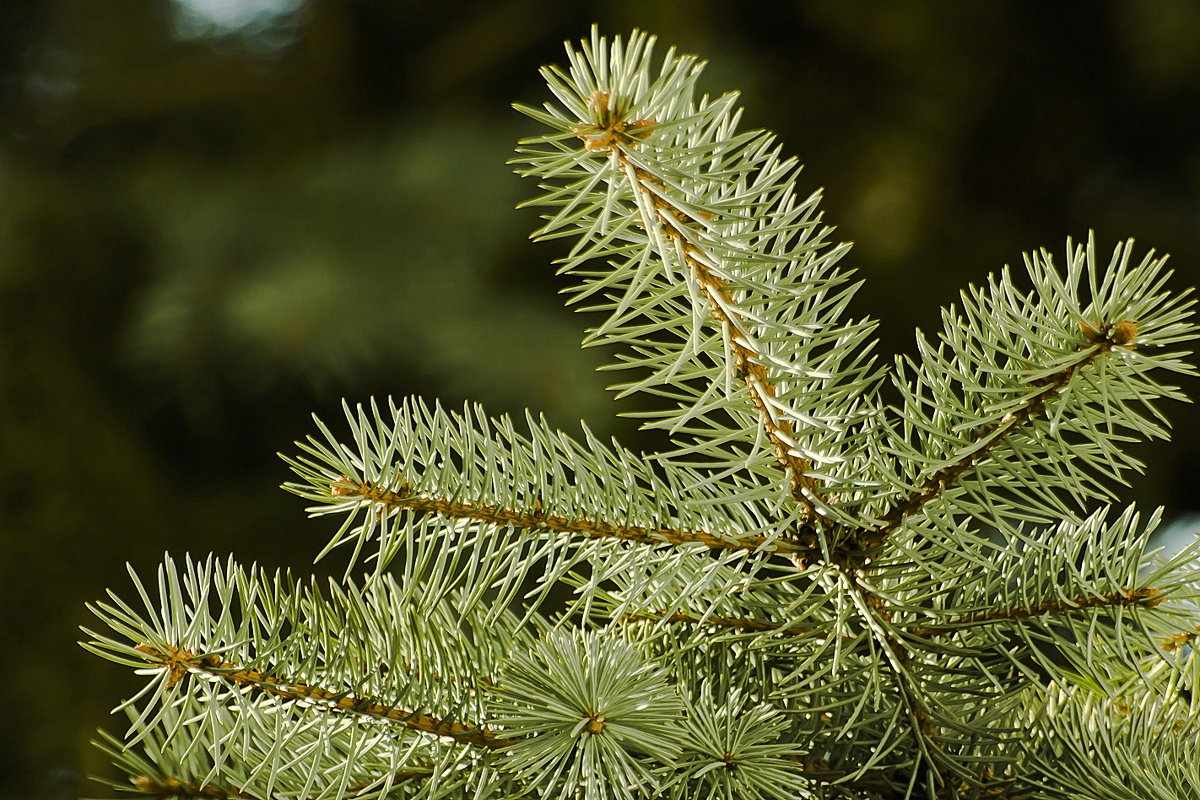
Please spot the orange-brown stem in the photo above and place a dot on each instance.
(1147, 598)
(405, 499)
(736, 623)
(180, 661)
(611, 132)
(993, 435)
(167, 786)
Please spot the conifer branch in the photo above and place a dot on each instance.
(1120, 334)
(684, 232)
(166, 786)
(898, 661)
(1145, 598)
(172, 788)
(735, 623)
(179, 662)
(404, 499)
(975, 503)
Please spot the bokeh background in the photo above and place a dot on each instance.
(219, 216)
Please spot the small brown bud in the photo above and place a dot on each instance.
(599, 101)
(598, 140)
(1176, 641)
(641, 128)
(1123, 333)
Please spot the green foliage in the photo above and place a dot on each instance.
(839, 580)
(579, 709)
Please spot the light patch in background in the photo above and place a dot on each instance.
(1177, 535)
(262, 24)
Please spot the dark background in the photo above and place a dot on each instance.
(211, 226)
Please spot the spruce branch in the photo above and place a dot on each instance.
(735, 623)
(680, 231)
(920, 711)
(269, 751)
(730, 735)
(429, 461)
(261, 651)
(1037, 389)
(718, 273)
(165, 787)
(179, 662)
(814, 592)
(1147, 750)
(169, 787)
(1146, 598)
(584, 707)
(389, 501)
(995, 434)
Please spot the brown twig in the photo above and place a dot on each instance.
(736, 623)
(1147, 598)
(168, 786)
(538, 519)
(1120, 335)
(180, 662)
(612, 132)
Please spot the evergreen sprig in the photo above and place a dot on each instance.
(839, 580)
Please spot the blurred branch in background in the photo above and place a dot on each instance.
(222, 215)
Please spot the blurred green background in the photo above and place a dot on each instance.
(219, 216)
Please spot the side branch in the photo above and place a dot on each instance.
(392, 501)
(1146, 598)
(747, 365)
(166, 786)
(179, 662)
(612, 132)
(995, 434)
(898, 660)
(735, 623)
